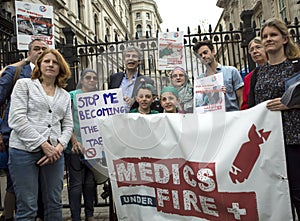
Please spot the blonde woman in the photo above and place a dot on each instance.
(41, 121)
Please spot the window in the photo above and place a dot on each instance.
(116, 35)
(138, 15)
(79, 9)
(148, 15)
(121, 12)
(259, 20)
(282, 9)
(148, 29)
(139, 30)
(152, 62)
(108, 34)
(96, 24)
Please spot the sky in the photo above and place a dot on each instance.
(184, 13)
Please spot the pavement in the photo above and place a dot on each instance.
(100, 213)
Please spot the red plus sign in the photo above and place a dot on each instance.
(236, 211)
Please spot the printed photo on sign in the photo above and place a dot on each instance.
(170, 50)
(34, 21)
(208, 95)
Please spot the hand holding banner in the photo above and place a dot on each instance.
(179, 167)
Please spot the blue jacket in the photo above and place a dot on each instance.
(6, 84)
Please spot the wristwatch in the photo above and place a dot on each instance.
(26, 61)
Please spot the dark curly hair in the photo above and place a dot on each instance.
(199, 44)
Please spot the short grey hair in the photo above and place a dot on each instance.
(135, 49)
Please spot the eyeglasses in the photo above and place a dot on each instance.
(257, 47)
(177, 75)
(90, 78)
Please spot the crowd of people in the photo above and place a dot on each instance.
(40, 129)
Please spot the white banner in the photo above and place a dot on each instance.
(34, 21)
(214, 166)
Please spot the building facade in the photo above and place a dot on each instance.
(145, 17)
(103, 20)
(262, 10)
(248, 16)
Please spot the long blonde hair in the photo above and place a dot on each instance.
(291, 50)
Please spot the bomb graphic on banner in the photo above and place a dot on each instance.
(248, 155)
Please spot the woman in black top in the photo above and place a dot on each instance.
(270, 85)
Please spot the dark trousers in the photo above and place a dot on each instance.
(81, 183)
(293, 167)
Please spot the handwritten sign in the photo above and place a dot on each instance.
(92, 106)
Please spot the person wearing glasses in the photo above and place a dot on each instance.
(81, 177)
(258, 55)
(233, 81)
(180, 80)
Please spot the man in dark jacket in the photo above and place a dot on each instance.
(130, 79)
(35, 48)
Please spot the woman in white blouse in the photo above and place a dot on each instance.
(41, 121)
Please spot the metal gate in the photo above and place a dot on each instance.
(106, 57)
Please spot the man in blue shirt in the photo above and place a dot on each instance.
(233, 81)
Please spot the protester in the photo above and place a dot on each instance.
(169, 99)
(258, 55)
(130, 78)
(144, 97)
(81, 177)
(10, 74)
(233, 81)
(270, 86)
(41, 121)
(180, 80)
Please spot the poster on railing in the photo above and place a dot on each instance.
(216, 166)
(208, 95)
(91, 106)
(34, 21)
(170, 50)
